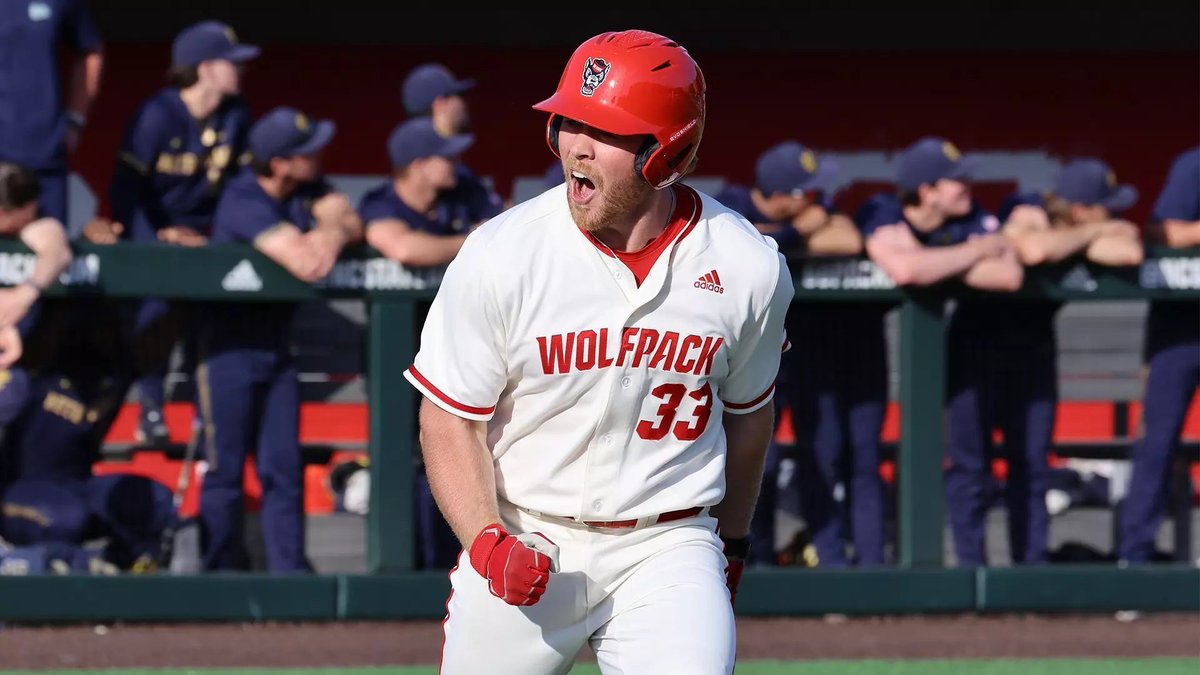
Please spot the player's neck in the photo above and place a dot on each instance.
(278, 188)
(923, 218)
(200, 100)
(643, 225)
(763, 205)
(418, 196)
(444, 128)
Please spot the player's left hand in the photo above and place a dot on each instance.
(103, 231)
(181, 235)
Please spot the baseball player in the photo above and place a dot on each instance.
(432, 91)
(933, 231)
(792, 202)
(37, 128)
(834, 377)
(59, 405)
(247, 380)
(1173, 361)
(419, 219)
(179, 149)
(20, 192)
(1011, 372)
(58, 400)
(415, 218)
(597, 369)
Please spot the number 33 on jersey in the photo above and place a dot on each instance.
(540, 330)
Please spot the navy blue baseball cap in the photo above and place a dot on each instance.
(930, 160)
(426, 83)
(1090, 181)
(206, 41)
(286, 132)
(417, 139)
(791, 168)
(554, 175)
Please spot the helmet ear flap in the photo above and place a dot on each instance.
(552, 127)
(649, 147)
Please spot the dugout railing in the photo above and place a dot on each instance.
(918, 583)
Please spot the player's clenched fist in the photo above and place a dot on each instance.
(516, 567)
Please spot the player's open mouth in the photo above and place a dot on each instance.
(582, 188)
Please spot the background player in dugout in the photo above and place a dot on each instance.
(40, 124)
(56, 404)
(928, 232)
(1172, 360)
(419, 219)
(834, 378)
(435, 96)
(179, 149)
(616, 225)
(248, 390)
(1015, 378)
(432, 91)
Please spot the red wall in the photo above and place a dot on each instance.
(1135, 110)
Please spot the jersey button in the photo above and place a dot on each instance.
(597, 505)
(617, 275)
(608, 440)
(625, 382)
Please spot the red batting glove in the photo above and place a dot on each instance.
(736, 551)
(516, 573)
(733, 576)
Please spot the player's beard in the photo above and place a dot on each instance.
(615, 200)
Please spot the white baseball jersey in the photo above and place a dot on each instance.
(604, 398)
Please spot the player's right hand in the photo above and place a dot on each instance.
(516, 573)
(11, 347)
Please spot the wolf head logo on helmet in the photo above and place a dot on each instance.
(652, 87)
(594, 72)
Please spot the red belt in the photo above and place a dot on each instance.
(660, 518)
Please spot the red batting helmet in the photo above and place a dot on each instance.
(635, 83)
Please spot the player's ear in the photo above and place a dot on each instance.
(923, 191)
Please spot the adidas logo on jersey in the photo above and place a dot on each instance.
(242, 278)
(710, 282)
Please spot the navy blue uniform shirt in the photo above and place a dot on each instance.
(171, 166)
(450, 216)
(885, 209)
(1180, 197)
(54, 438)
(1174, 322)
(737, 197)
(245, 212)
(32, 124)
(470, 190)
